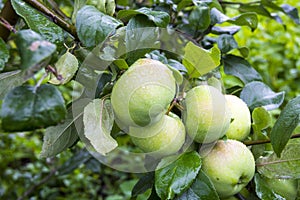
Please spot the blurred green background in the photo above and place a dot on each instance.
(74, 174)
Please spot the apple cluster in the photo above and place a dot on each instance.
(141, 100)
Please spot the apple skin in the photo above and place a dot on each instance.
(230, 165)
(206, 114)
(143, 93)
(163, 138)
(286, 188)
(240, 125)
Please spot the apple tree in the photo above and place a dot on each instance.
(159, 99)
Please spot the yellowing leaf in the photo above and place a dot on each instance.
(98, 120)
(66, 67)
(199, 61)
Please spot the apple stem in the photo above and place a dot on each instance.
(257, 142)
(174, 102)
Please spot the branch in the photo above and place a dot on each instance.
(7, 25)
(8, 19)
(55, 18)
(256, 142)
(237, 3)
(34, 187)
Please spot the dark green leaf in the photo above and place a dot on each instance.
(4, 54)
(200, 17)
(27, 108)
(241, 68)
(173, 178)
(226, 43)
(225, 30)
(286, 123)
(92, 34)
(160, 18)
(74, 162)
(201, 189)
(292, 12)
(141, 38)
(60, 137)
(145, 183)
(259, 9)
(9, 80)
(258, 94)
(33, 48)
(244, 51)
(93, 164)
(39, 23)
(193, 54)
(245, 19)
(98, 119)
(263, 191)
(287, 166)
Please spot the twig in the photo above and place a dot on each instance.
(9, 15)
(237, 3)
(256, 142)
(56, 9)
(34, 187)
(55, 18)
(7, 25)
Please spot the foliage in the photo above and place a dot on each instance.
(60, 61)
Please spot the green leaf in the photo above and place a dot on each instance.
(92, 34)
(141, 38)
(78, 4)
(286, 123)
(39, 23)
(105, 6)
(4, 54)
(145, 183)
(28, 108)
(9, 80)
(226, 43)
(263, 191)
(199, 18)
(201, 189)
(261, 118)
(199, 61)
(160, 18)
(292, 12)
(258, 94)
(98, 119)
(59, 138)
(241, 68)
(174, 178)
(33, 48)
(74, 162)
(66, 67)
(245, 19)
(287, 166)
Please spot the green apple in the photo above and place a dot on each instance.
(230, 165)
(165, 137)
(287, 188)
(240, 125)
(206, 114)
(143, 93)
